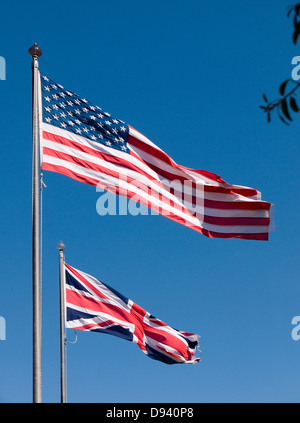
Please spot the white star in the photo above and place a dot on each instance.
(84, 100)
(93, 137)
(108, 143)
(47, 88)
(71, 123)
(100, 115)
(54, 86)
(56, 117)
(85, 110)
(70, 113)
(77, 101)
(115, 131)
(92, 108)
(63, 124)
(55, 96)
(78, 122)
(55, 106)
(62, 95)
(123, 128)
(78, 111)
(115, 121)
(70, 103)
(45, 78)
(108, 122)
(48, 109)
(62, 105)
(123, 147)
(63, 115)
(93, 117)
(85, 130)
(47, 98)
(78, 131)
(48, 119)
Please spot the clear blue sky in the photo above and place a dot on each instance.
(189, 76)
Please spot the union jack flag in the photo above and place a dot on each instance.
(94, 306)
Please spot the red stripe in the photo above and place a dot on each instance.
(237, 221)
(155, 152)
(86, 282)
(240, 205)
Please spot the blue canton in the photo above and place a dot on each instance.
(68, 111)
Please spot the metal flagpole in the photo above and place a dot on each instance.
(35, 52)
(61, 248)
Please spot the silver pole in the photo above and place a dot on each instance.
(61, 248)
(35, 52)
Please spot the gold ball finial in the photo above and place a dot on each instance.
(35, 51)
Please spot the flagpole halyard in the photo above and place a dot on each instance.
(61, 248)
(35, 52)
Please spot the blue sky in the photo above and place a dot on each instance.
(189, 76)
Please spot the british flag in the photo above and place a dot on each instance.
(94, 306)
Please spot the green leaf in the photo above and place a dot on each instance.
(294, 105)
(281, 118)
(282, 87)
(295, 36)
(289, 11)
(285, 110)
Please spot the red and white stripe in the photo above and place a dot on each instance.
(149, 176)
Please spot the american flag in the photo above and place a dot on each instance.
(80, 140)
(94, 306)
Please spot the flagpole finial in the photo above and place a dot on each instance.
(34, 51)
(61, 246)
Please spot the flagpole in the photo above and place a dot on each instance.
(35, 52)
(61, 248)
